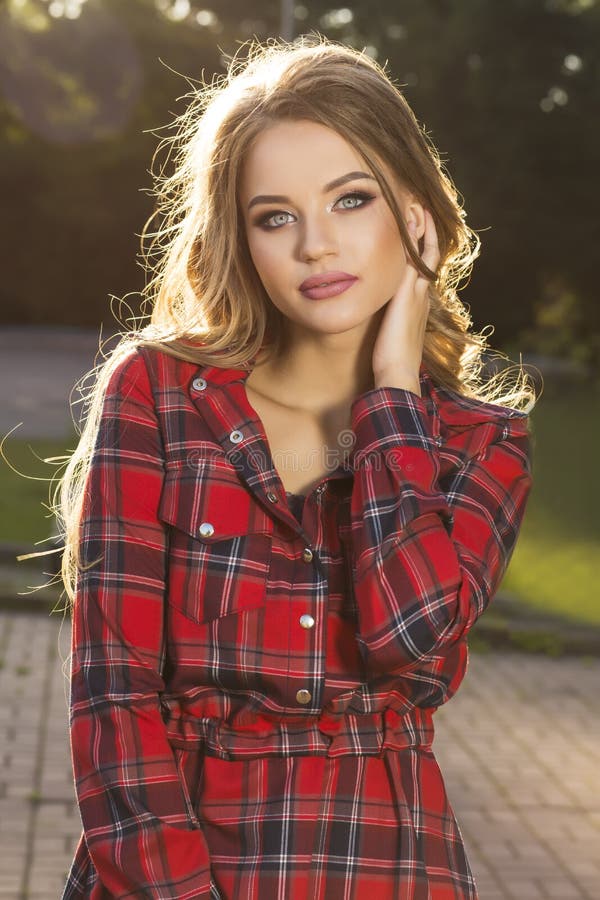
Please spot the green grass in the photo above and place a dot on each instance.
(554, 567)
(23, 517)
(555, 564)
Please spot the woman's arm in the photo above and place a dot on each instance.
(428, 563)
(139, 833)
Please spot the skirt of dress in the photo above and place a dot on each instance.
(332, 828)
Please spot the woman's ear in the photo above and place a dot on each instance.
(414, 216)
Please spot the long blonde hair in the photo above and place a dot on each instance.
(203, 288)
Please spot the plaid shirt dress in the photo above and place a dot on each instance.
(254, 673)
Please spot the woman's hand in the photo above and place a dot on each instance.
(398, 349)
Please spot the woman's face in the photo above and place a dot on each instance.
(312, 206)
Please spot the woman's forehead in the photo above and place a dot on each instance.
(298, 152)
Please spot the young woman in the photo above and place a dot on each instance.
(292, 500)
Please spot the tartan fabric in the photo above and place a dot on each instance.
(219, 748)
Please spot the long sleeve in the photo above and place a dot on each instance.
(139, 827)
(428, 560)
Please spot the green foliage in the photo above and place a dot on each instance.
(560, 328)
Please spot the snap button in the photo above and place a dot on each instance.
(206, 529)
(307, 621)
(236, 436)
(303, 696)
(199, 384)
(272, 497)
(307, 555)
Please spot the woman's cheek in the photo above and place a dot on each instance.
(264, 258)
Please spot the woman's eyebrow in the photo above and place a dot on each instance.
(337, 182)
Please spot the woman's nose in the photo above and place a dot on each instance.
(317, 238)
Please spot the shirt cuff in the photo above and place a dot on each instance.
(388, 417)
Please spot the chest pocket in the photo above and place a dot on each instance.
(220, 542)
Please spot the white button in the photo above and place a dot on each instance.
(206, 529)
(304, 696)
(199, 384)
(307, 621)
(236, 436)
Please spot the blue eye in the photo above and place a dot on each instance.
(355, 196)
(273, 216)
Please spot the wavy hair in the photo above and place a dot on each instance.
(204, 300)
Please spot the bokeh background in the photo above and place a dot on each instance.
(508, 91)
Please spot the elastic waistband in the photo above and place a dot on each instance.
(346, 735)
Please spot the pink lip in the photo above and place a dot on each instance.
(329, 290)
(327, 278)
(329, 284)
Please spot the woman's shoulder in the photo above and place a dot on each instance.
(137, 364)
(461, 407)
(461, 410)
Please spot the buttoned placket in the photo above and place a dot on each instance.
(306, 620)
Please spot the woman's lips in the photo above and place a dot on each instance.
(321, 292)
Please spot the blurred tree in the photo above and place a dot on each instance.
(505, 90)
(73, 174)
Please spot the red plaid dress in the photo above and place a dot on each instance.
(254, 674)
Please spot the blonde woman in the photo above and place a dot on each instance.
(293, 498)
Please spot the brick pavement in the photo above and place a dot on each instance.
(518, 747)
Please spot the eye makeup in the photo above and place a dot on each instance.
(363, 197)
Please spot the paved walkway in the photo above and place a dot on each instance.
(41, 366)
(519, 748)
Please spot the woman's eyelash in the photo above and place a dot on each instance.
(263, 220)
(358, 195)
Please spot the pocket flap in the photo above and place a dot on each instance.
(210, 502)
